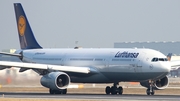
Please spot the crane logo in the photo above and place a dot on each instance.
(21, 25)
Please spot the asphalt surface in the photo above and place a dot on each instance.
(125, 97)
(92, 92)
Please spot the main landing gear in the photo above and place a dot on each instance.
(150, 90)
(114, 89)
(62, 91)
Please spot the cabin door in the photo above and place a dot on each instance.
(140, 61)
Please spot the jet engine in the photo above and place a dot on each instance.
(55, 80)
(158, 84)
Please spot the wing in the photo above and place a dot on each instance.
(26, 66)
(75, 69)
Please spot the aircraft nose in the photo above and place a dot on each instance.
(166, 67)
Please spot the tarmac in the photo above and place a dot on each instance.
(89, 92)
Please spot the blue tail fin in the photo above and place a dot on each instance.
(26, 36)
(169, 56)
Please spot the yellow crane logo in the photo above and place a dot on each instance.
(21, 25)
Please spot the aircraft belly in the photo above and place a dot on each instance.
(127, 76)
(110, 77)
(96, 78)
(128, 73)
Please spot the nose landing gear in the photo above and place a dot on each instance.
(150, 90)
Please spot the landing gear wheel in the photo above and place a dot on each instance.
(113, 90)
(120, 90)
(148, 91)
(108, 90)
(152, 93)
(61, 91)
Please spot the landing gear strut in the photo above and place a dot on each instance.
(150, 90)
(61, 91)
(114, 89)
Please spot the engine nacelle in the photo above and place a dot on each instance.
(55, 80)
(158, 84)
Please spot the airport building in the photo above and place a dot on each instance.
(164, 47)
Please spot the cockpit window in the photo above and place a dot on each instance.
(159, 59)
(166, 59)
(154, 59)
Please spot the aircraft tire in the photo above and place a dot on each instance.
(148, 91)
(152, 93)
(62, 91)
(108, 90)
(120, 90)
(113, 90)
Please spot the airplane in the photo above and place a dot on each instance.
(60, 67)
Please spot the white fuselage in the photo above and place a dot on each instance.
(112, 65)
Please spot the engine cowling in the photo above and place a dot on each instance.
(55, 80)
(158, 84)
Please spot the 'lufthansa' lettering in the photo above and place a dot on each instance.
(126, 55)
(39, 53)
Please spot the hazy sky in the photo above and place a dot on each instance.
(93, 23)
